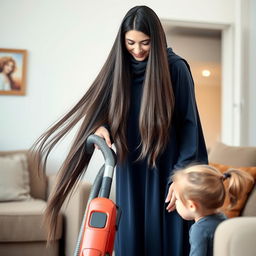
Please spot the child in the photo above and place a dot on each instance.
(200, 192)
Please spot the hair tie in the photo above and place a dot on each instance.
(226, 175)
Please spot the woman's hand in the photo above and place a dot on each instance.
(170, 199)
(103, 133)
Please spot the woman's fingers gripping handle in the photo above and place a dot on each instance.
(103, 133)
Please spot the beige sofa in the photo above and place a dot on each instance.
(236, 236)
(21, 230)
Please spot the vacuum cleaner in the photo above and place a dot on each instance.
(101, 218)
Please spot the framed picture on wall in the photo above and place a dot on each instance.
(12, 71)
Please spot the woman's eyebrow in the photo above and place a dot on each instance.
(145, 40)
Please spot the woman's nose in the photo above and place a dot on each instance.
(137, 49)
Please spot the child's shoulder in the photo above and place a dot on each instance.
(216, 217)
(209, 222)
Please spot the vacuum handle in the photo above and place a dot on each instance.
(108, 153)
(110, 162)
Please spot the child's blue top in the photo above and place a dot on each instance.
(201, 235)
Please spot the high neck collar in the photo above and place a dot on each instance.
(138, 67)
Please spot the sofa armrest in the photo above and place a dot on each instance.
(236, 237)
(73, 211)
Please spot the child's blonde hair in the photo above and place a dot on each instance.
(205, 184)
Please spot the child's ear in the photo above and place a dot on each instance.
(192, 205)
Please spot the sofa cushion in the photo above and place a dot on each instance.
(14, 178)
(22, 221)
(237, 209)
(37, 248)
(232, 155)
(38, 181)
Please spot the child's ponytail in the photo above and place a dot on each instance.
(237, 181)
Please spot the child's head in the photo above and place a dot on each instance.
(200, 188)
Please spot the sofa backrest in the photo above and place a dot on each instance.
(38, 181)
(232, 155)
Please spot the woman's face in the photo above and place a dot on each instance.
(137, 44)
(8, 67)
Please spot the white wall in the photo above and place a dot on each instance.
(244, 73)
(67, 43)
(251, 125)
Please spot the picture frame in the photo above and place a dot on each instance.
(13, 71)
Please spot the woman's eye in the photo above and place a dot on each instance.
(130, 42)
(146, 43)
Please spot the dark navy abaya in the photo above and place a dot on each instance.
(146, 228)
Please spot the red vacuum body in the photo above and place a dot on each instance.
(100, 228)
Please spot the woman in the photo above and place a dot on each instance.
(7, 67)
(143, 101)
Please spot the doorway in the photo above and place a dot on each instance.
(208, 50)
